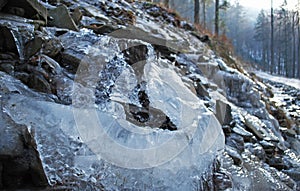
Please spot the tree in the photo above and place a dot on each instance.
(223, 6)
(204, 13)
(272, 38)
(217, 17)
(261, 35)
(197, 12)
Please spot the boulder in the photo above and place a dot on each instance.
(31, 9)
(223, 112)
(76, 15)
(43, 42)
(16, 32)
(20, 164)
(60, 17)
(234, 154)
(222, 180)
(236, 141)
(7, 41)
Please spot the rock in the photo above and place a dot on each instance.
(103, 29)
(2, 3)
(19, 160)
(244, 133)
(255, 128)
(60, 17)
(222, 180)
(94, 12)
(227, 130)
(259, 152)
(295, 144)
(235, 141)
(39, 83)
(76, 15)
(201, 91)
(17, 32)
(232, 152)
(135, 54)
(76, 47)
(1, 169)
(223, 112)
(294, 173)
(51, 44)
(7, 67)
(33, 46)
(7, 41)
(31, 9)
(133, 32)
(277, 163)
(268, 147)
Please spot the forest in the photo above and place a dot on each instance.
(267, 38)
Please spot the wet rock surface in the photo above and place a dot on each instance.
(21, 166)
(143, 70)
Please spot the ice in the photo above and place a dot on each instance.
(85, 141)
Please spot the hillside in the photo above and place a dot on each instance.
(126, 95)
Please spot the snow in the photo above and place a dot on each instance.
(287, 81)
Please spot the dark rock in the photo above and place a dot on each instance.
(31, 9)
(277, 163)
(7, 41)
(151, 117)
(201, 91)
(33, 46)
(60, 17)
(39, 83)
(135, 54)
(269, 147)
(144, 99)
(259, 152)
(222, 180)
(235, 141)
(103, 29)
(76, 15)
(187, 26)
(52, 47)
(1, 169)
(2, 3)
(244, 133)
(19, 160)
(7, 67)
(223, 112)
(233, 153)
(226, 130)
(204, 38)
(16, 32)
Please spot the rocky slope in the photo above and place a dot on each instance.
(125, 95)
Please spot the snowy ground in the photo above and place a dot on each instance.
(288, 81)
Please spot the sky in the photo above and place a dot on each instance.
(266, 4)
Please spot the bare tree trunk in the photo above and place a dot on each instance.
(196, 12)
(272, 39)
(204, 13)
(294, 44)
(298, 45)
(217, 18)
